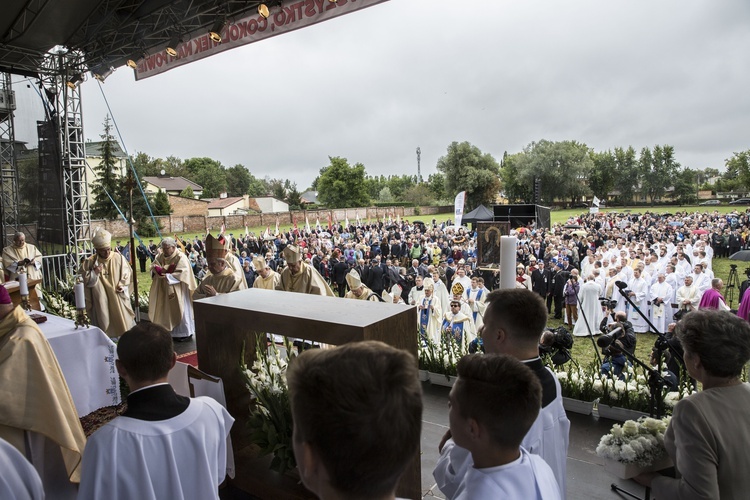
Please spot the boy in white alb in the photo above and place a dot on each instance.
(493, 404)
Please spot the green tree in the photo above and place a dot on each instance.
(341, 185)
(626, 174)
(108, 180)
(436, 183)
(562, 167)
(516, 187)
(238, 180)
(685, 187)
(398, 184)
(187, 193)
(208, 173)
(466, 168)
(385, 195)
(161, 204)
(257, 187)
(293, 198)
(278, 190)
(602, 175)
(657, 171)
(740, 163)
(419, 195)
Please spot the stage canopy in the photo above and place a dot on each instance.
(100, 34)
(479, 214)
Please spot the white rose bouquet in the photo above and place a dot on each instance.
(638, 442)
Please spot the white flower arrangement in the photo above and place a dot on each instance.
(442, 357)
(580, 382)
(638, 442)
(270, 412)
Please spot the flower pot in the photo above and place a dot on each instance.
(627, 471)
(578, 406)
(617, 413)
(424, 375)
(440, 379)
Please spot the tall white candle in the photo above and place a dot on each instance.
(507, 262)
(23, 284)
(80, 299)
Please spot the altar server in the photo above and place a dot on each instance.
(164, 445)
(376, 434)
(505, 331)
(493, 404)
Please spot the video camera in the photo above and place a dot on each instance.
(608, 342)
(556, 344)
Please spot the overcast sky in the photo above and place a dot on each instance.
(373, 85)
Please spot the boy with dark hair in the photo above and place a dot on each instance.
(164, 445)
(513, 323)
(493, 404)
(357, 412)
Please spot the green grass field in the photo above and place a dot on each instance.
(583, 349)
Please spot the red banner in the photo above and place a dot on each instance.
(283, 19)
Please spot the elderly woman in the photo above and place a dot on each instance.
(709, 433)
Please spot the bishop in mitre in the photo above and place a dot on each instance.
(267, 279)
(222, 278)
(357, 290)
(298, 276)
(107, 281)
(169, 303)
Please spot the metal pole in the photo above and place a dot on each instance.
(131, 184)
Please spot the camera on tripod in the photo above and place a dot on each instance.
(608, 342)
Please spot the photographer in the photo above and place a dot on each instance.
(621, 337)
(570, 292)
(609, 317)
(556, 344)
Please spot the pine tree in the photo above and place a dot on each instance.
(107, 178)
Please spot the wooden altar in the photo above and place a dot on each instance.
(225, 323)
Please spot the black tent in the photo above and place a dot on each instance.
(479, 214)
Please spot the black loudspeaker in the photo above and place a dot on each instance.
(522, 215)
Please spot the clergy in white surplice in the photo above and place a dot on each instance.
(639, 295)
(591, 309)
(476, 297)
(661, 303)
(688, 296)
(701, 280)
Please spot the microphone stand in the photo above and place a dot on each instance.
(655, 380)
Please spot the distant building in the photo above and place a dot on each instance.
(269, 204)
(309, 197)
(232, 205)
(172, 185)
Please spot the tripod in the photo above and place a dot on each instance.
(655, 380)
(733, 282)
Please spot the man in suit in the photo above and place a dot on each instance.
(339, 268)
(168, 446)
(376, 276)
(540, 280)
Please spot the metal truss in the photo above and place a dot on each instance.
(8, 170)
(69, 116)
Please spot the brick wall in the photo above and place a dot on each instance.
(174, 223)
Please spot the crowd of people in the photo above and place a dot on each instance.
(509, 434)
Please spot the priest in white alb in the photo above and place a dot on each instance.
(22, 256)
(591, 309)
(639, 295)
(661, 303)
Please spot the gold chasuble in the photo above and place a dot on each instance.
(34, 394)
(167, 301)
(271, 282)
(307, 280)
(12, 255)
(109, 309)
(224, 282)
